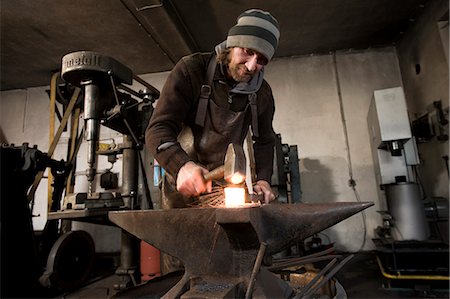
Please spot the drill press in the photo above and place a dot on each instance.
(109, 102)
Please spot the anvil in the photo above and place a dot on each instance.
(219, 246)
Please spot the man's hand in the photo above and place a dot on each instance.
(190, 180)
(263, 188)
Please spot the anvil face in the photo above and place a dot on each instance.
(221, 244)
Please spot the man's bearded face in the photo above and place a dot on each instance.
(244, 64)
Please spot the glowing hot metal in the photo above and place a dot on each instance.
(234, 197)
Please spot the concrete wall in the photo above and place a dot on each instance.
(321, 106)
(425, 46)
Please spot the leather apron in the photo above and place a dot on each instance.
(221, 127)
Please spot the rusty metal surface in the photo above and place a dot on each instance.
(281, 225)
(220, 244)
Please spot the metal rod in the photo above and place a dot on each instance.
(320, 253)
(53, 87)
(302, 262)
(146, 84)
(129, 172)
(315, 279)
(327, 277)
(73, 142)
(53, 145)
(256, 267)
(133, 136)
(113, 86)
(129, 90)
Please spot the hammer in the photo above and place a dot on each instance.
(234, 169)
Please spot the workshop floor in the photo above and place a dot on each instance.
(361, 278)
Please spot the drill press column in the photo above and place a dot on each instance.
(92, 120)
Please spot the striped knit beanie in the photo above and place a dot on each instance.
(257, 30)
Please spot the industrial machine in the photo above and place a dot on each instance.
(395, 154)
(109, 101)
(286, 175)
(404, 238)
(54, 260)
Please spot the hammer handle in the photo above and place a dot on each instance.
(215, 174)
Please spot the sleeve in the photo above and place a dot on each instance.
(171, 111)
(263, 146)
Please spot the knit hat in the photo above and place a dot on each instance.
(257, 30)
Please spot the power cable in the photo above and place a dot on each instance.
(351, 181)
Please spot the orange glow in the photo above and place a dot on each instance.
(234, 197)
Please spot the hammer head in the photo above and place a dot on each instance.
(234, 165)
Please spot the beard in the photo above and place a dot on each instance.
(239, 72)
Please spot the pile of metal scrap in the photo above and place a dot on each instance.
(306, 279)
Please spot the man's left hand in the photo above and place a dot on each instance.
(263, 188)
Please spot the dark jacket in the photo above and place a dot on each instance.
(177, 106)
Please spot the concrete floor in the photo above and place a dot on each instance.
(360, 277)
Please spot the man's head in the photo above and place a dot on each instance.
(251, 43)
(257, 30)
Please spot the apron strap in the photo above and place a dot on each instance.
(205, 92)
(254, 110)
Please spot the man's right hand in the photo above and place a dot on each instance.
(190, 180)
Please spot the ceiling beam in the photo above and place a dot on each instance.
(165, 27)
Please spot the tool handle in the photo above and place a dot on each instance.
(215, 174)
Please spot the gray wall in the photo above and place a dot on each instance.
(311, 114)
(426, 44)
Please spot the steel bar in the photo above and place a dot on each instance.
(320, 253)
(299, 262)
(257, 266)
(53, 145)
(327, 277)
(313, 281)
(150, 87)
